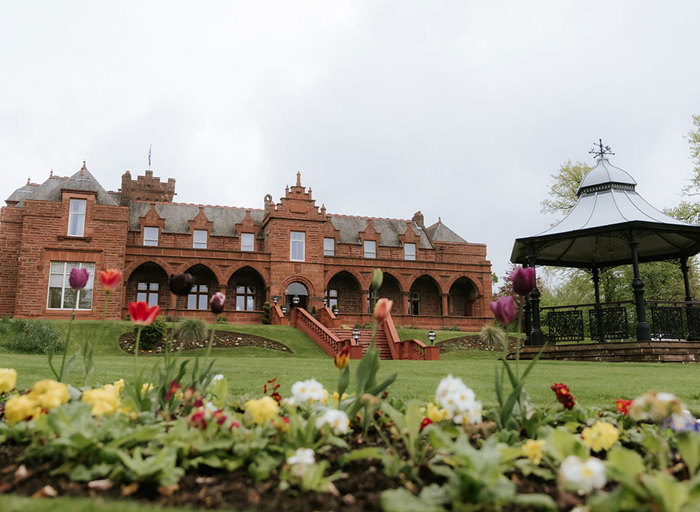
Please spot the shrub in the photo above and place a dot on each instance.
(191, 329)
(221, 319)
(266, 313)
(493, 337)
(153, 334)
(34, 337)
(314, 313)
(454, 328)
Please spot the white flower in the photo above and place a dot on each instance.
(307, 390)
(302, 459)
(216, 378)
(458, 400)
(584, 476)
(210, 407)
(289, 402)
(337, 420)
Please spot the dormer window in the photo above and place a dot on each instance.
(329, 246)
(76, 217)
(409, 252)
(370, 249)
(150, 236)
(247, 242)
(199, 239)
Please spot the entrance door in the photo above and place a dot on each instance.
(296, 296)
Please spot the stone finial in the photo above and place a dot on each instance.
(29, 180)
(83, 168)
(298, 178)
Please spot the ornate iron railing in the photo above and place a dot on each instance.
(608, 323)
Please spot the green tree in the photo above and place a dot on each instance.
(688, 210)
(562, 194)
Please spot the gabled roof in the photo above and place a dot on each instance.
(438, 232)
(389, 229)
(82, 181)
(22, 193)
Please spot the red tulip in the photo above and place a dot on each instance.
(383, 309)
(78, 278)
(216, 304)
(523, 279)
(141, 314)
(342, 358)
(110, 279)
(504, 309)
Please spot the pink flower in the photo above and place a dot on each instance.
(110, 279)
(78, 278)
(523, 279)
(383, 309)
(504, 309)
(141, 314)
(216, 304)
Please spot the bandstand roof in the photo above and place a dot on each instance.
(600, 227)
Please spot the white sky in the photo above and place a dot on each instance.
(459, 109)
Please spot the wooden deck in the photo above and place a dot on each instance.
(638, 351)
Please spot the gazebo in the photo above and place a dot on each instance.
(610, 225)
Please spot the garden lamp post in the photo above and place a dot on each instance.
(431, 336)
(284, 310)
(356, 334)
(295, 300)
(274, 300)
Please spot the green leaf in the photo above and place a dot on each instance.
(689, 450)
(400, 500)
(562, 444)
(343, 380)
(670, 494)
(536, 501)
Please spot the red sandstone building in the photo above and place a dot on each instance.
(290, 252)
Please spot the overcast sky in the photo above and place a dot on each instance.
(462, 110)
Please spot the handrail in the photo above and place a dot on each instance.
(329, 342)
(392, 337)
(577, 306)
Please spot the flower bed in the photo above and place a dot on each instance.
(222, 339)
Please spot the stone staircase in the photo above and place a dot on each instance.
(380, 340)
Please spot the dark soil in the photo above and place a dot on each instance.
(222, 339)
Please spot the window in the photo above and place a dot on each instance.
(199, 297)
(147, 292)
(61, 295)
(150, 236)
(414, 304)
(199, 239)
(409, 252)
(245, 298)
(329, 246)
(370, 249)
(332, 299)
(297, 246)
(76, 217)
(247, 242)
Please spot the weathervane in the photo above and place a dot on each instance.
(599, 150)
(149, 155)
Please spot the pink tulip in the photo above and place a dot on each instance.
(504, 309)
(78, 278)
(523, 279)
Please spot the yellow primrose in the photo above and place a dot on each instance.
(20, 408)
(532, 449)
(8, 379)
(262, 409)
(147, 386)
(435, 414)
(336, 399)
(119, 385)
(49, 393)
(601, 436)
(103, 401)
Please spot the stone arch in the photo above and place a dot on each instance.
(260, 269)
(391, 289)
(476, 282)
(206, 283)
(195, 263)
(358, 277)
(344, 291)
(245, 289)
(425, 296)
(147, 282)
(136, 263)
(462, 297)
(303, 280)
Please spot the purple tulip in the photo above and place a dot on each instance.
(523, 279)
(216, 304)
(78, 278)
(181, 284)
(504, 309)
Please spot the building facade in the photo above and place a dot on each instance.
(290, 252)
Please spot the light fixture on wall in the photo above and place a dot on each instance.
(356, 334)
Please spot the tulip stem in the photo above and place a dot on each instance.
(211, 342)
(65, 349)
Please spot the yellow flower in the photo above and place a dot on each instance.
(103, 401)
(262, 409)
(119, 385)
(532, 449)
(147, 386)
(49, 393)
(435, 414)
(336, 399)
(20, 408)
(8, 379)
(601, 436)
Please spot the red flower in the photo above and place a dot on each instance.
(110, 279)
(383, 309)
(425, 423)
(234, 424)
(523, 280)
(342, 358)
(563, 395)
(216, 304)
(504, 309)
(174, 386)
(198, 420)
(141, 314)
(623, 406)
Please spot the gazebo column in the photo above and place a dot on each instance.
(643, 330)
(686, 281)
(597, 309)
(536, 336)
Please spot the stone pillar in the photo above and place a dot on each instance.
(404, 303)
(643, 330)
(445, 310)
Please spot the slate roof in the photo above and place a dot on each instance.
(438, 232)
(83, 180)
(22, 193)
(390, 230)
